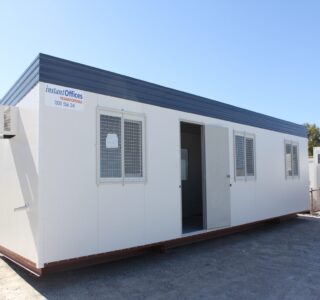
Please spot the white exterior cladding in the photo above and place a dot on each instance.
(19, 178)
(72, 215)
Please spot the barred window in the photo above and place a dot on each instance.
(249, 157)
(240, 159)
(295, 164)
(110, 147)
(291, 159)
(244, 145)
(132, 148)
(288, 160)
(121, 148)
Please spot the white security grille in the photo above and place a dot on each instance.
(244, 155)
(110, 147)
(288, 160)
(240, 158)
(250, 156)
(295, 165)
(291, 159)
(121, 146)
(133, 148)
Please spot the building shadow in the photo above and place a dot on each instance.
(170, 275)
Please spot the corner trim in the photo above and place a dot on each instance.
(21, 261)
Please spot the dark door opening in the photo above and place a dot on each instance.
(191, 177)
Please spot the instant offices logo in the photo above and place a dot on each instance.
(64, 97)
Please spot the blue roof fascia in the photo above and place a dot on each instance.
(53, 70)
(23, 85)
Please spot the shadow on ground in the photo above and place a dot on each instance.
(277, 261)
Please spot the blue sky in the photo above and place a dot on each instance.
(260, 55)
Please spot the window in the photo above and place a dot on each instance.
(240, 157)
(121, 146)
(133, 148)
(291, 159)
(110, 147)
(184, 164)
(244, 150)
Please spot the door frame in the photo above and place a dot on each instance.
(203, 171)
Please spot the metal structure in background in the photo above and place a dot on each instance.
(314, 180)
(314, 200)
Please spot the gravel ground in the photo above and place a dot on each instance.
(277, 261)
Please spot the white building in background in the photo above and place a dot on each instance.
(314, 179)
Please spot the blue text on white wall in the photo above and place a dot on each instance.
(64, 92)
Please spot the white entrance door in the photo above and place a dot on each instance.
(217, 183)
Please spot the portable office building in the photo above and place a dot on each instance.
(95, 164)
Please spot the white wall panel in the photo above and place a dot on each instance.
(80, 217)
(19, 182)
(68, 190)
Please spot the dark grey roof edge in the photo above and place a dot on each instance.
(75, 75)
(23, 85)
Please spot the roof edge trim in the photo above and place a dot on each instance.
(53, 70)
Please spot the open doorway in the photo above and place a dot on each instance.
(191, 177)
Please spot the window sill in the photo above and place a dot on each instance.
(293, 177)
(121, 180)
(243, 178)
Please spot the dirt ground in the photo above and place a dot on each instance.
(278, 261)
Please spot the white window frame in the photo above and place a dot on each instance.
(245, 177)
(124, 115)
(292, 143)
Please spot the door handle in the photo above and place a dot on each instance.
(228, 176)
